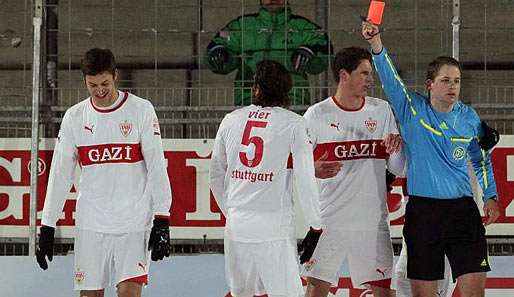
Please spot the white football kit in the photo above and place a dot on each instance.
(123, 181)
(253, 186)
(353, 203)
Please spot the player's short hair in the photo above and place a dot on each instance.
(349, 59)
(274, 82)
(98, 60)
(436, 64)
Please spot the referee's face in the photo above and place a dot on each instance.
(445, 87)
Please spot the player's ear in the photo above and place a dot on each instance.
(343, 75)
(115, 74)
(256, 90)
(428, 85)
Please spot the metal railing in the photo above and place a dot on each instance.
(195, 112)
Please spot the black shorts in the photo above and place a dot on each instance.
(435, 227)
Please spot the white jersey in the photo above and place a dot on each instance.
(355, 199)
(250, 179)
(123, 180)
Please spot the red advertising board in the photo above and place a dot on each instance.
(194, 210)
(495, 286)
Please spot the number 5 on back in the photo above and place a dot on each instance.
(256, 140)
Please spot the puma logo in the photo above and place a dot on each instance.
(335, 126)
(90, 129)
(382, 272)
(440, 293)
(141, 265)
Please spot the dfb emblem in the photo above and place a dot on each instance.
(459, 153)
(371, 124)
(125, 128)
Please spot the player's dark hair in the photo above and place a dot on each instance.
(436, 64)
(349, 59)
(274, 82)
(98, 60)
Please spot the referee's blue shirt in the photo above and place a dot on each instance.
(437, 145)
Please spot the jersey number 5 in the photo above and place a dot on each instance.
(256, 140)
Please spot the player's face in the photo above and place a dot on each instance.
(101, 87)
(361, 79)
(445, 87)
(273, 5)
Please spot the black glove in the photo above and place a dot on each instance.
(46, 246)
(309, 244)
(390, 178)
(218, 56)
(489, 137)
(159, 242)
(301, 57)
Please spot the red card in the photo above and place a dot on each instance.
(376, 9)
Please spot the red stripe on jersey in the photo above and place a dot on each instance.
(348, 109)
(351, 150)
(125, 96)
(110, 153)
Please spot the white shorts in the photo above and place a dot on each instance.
(369, 255)
(401, 283)
(271, 268)
(103, 259)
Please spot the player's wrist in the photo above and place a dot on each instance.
(161, 222)
(494, 198)
(376, 47)
(47, 230)
(316, 230)
(161, 216)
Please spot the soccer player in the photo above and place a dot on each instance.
(253, 184)
(353, 135)
(114, 136)
(441, 217)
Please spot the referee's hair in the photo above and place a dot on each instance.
(436, 64)
(274, 82)
(96, 61)
(349, 58)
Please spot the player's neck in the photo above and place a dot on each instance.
(107, 101)
(348, 101)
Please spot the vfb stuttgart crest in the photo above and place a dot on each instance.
(79, 276)
(371, 124)
(126, 128)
